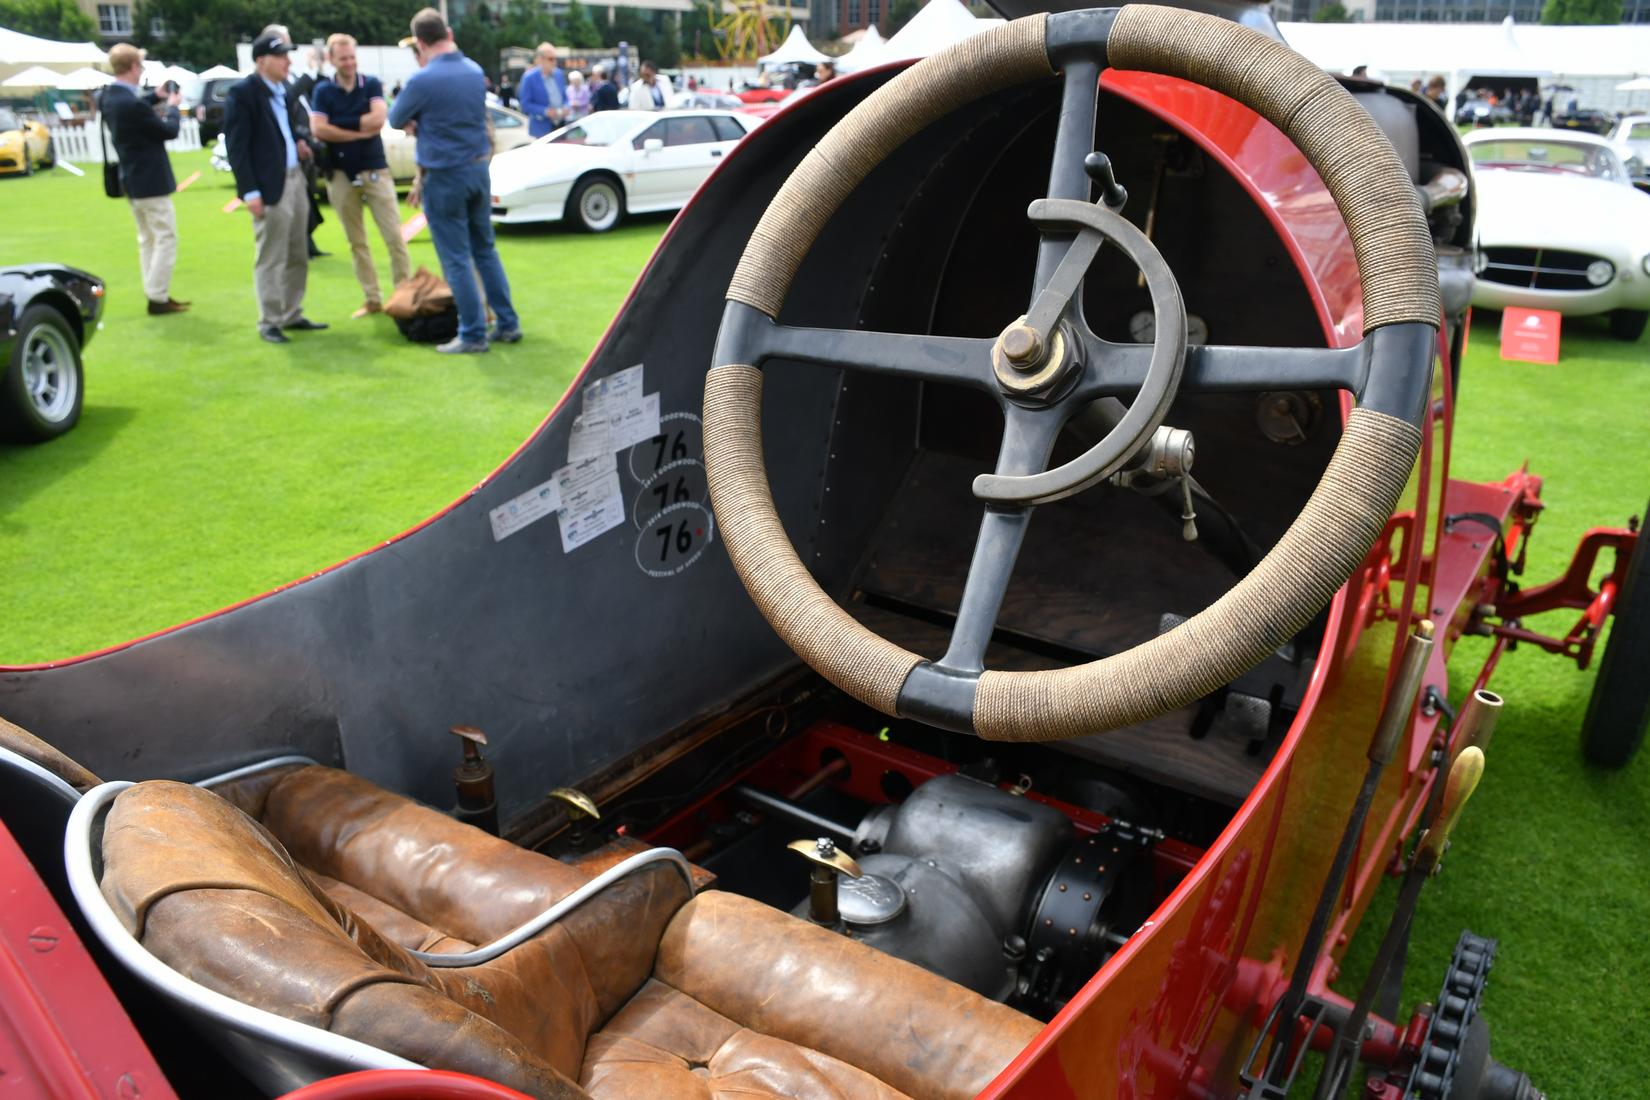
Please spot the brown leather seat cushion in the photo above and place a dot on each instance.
(666, 1044)
(743, 1000)
(795, 981)
(212, 894)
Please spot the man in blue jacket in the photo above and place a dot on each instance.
(446, 101)
(543, 92)
(140, 135)
(266, 157)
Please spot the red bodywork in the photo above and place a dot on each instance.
(1176, 1010)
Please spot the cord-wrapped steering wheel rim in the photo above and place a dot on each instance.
(1340, 521)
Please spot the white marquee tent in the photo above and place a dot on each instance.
(795, 48)
(20, 51)
(937, 25)
(1592, 60)
(35, 76)
(218, 72)
(82, 80)
(870, 42)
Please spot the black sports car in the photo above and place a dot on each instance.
(47, 313)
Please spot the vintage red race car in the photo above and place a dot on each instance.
(785, 754)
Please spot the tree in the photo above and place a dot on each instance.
(630, 25)
(1590, 12)
(58, 19)
(200, 33)
(578, 29)
(900, 12)
(1332, 12)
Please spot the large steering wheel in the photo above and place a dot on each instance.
(1048, 366)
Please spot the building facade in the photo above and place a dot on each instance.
(113, 18)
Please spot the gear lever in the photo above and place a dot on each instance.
(1112, 193)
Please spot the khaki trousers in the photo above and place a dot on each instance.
(157, 229)
(280, 270)
(379, 197)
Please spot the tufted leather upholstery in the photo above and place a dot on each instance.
(640, 993)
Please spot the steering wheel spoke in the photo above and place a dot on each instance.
(1120, 370)
(1067, 178)
(752, 338)
(1028, 440)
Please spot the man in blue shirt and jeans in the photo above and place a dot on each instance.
(445, 106)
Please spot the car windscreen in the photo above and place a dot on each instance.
(9, 120)
(1541, 155)
(599, 129)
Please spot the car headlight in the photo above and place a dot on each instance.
(1481, 260)
(1600, 272)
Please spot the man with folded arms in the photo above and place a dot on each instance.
(347, 112)
(265, 156)
(446, 101)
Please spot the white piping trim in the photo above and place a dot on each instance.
(251, 769)
(344, 1053)
(534, 925)
(18, 760)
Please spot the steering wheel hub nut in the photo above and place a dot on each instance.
(1027, 367)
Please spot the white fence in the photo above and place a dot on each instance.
(81, 142)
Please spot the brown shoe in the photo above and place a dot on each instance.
(176, 302)
(168, 306)
(367, 308)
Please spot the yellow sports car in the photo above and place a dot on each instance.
(23, 145)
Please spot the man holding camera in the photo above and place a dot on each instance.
(347, 112)
(140, 135)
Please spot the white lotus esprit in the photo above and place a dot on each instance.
(592, 172)
(1560, 226)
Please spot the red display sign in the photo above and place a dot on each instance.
(1530, 335)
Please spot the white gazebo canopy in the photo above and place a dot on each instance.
(83, 80)
(1637, 84)
(938, 24)
(35, 76)
(1590, 59)
(795, 48)
(218, 72)
(865, 50)
(25, 49)
(162, 73)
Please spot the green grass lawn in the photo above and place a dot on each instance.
(210, 466)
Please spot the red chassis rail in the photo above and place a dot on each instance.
(1504, 605)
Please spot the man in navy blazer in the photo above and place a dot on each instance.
(140, 135)
(266, 157)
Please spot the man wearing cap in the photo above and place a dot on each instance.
(348, 112)
(140, 136)
(266, 158)
(446, 101)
